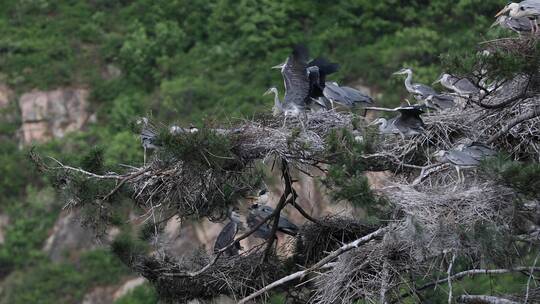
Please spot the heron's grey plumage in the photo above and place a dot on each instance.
(525, 9)
(346, 96)
(420, 91)
(462, 86)
(407, 123)
(227, 235)
(478, 150)
(259, 212)
(440, 102)
(296, 80)
(518, 25)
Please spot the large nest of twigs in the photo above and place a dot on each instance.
(314, 241)
(202, 174)
(443, 219)
(363, 273)
(235, 276)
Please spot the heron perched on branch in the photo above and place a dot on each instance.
(407, 123)
(258, 211)
(525, 9)
(227, 234)
(462, 86)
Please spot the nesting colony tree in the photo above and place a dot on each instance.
(429, 228)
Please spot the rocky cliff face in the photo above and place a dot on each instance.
(51, 114)
(5, 95)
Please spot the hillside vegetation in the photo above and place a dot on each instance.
(186, 62)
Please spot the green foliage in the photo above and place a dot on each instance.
(125, 247)
(144, 294)
(205, 149)
(30, 221)
(49, 282)
(101, 267)
(524, 177)
(345, 177)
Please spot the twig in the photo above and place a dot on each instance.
(478, 299)
(449, 273)
(529, 279)
(281, 204)
(472, 272)
(354, 244)
(294, 276)
(512, 123)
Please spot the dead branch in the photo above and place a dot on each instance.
(291, 277)
(478, 299)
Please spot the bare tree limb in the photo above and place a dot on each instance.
(480, 299)
(512, 123)
(291, 277)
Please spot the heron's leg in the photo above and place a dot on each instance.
(301, 123)
(458, 174)
(144, 156)
(284, 120)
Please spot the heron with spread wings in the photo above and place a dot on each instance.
(407, 123)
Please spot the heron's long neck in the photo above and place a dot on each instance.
(384, 124)
(278, 106)
(408, 81)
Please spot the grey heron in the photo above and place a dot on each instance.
(518, 25)
(227, 234)
(259, 210)
(346, 96)
(317, 70)
(418, 90)
(462, 86)
(529, 9)
(407, 123)
(458, 159)
(440, 102)
(148, 136)
(297, 85)
(477, 150)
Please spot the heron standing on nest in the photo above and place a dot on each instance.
(227, 235)
(518, 25)
(462, 86)
(258, 211)
(297, 86)
(525, 9)
(345, 96)
(465, 156)
(148, 136)
(407, 123)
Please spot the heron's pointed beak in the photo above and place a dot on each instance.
(251, 197)
(495, 23)
(279, 66)
(504, 10)
(376, 121)
(436, 81)
(267, 92)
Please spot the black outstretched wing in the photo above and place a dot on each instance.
(324, 67)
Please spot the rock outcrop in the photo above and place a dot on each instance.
(68, 238)
(51, 114)
(5, 95)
